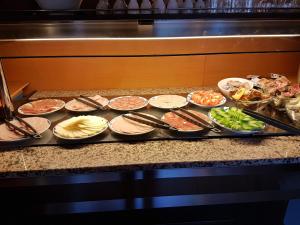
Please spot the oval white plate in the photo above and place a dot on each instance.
(27, 138)
(118, 109)
(188, 131)
(42, 114)
(232, 130)
(67, 106)
(110, 124)
(189, 98)
(82, 138)
(152, 102)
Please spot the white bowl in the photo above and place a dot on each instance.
(59, 4)
(222, 84)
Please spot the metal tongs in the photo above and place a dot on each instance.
(196, 120)
(31, 133)
(150, 121)
(90, 102)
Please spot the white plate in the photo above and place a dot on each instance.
(28, 119)
(188, 131)
(82, 138)
(110, 124)
(118, 109)
(172, 104)
(41, 114)
(232, 130)
(91, 109)
(189, 98)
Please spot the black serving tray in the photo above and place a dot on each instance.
(108, 136)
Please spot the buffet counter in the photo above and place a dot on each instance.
(49, 160)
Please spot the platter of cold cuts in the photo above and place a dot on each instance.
(128, 103)
(122, 125)
(41, 107)
(8, 134)
(85, 105)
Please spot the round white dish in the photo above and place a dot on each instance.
(79, 138)
(87, 108)
(189, 99)
(119, 118)
(128, 109)
(222, 84)
(29, 120)
(168, 101)
(232, 130)
(55, 109)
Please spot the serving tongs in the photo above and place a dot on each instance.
(32, 133)
(271, 121)
(196, 120)
(90, 102)
(150, 121)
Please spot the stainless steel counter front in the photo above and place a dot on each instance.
(160, 29)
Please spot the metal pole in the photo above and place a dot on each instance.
(7, 105)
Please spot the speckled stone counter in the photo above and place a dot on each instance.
(36, 161)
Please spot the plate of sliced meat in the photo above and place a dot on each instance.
(128, 103)
(41, 107)
(124, 126)
(80, 106)
(183, 125)
(40, 124)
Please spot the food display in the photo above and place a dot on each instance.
(41, 107)
(168, 101)
(77, 106)
(181, 124)
(235, 120)
(38, 123)
(127, 103)
(293, 109)
(206, 98)
(122, 125)
(80, 127)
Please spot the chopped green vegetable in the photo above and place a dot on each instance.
(235, 119)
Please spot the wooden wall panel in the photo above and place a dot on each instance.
(105, 73)
(240, 65)
(121, 47)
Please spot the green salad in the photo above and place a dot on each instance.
(235, 119)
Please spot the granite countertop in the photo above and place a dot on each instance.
(49, 160)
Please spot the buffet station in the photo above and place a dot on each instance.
(240, 107)
(149, 112)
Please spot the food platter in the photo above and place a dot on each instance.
(41, 107)
(77, 130)
(123, 126)
(168, 101)
(40, 124)
(240, 131)
(128, 103)
(190, 99)
(76, 106)
(181, 125)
